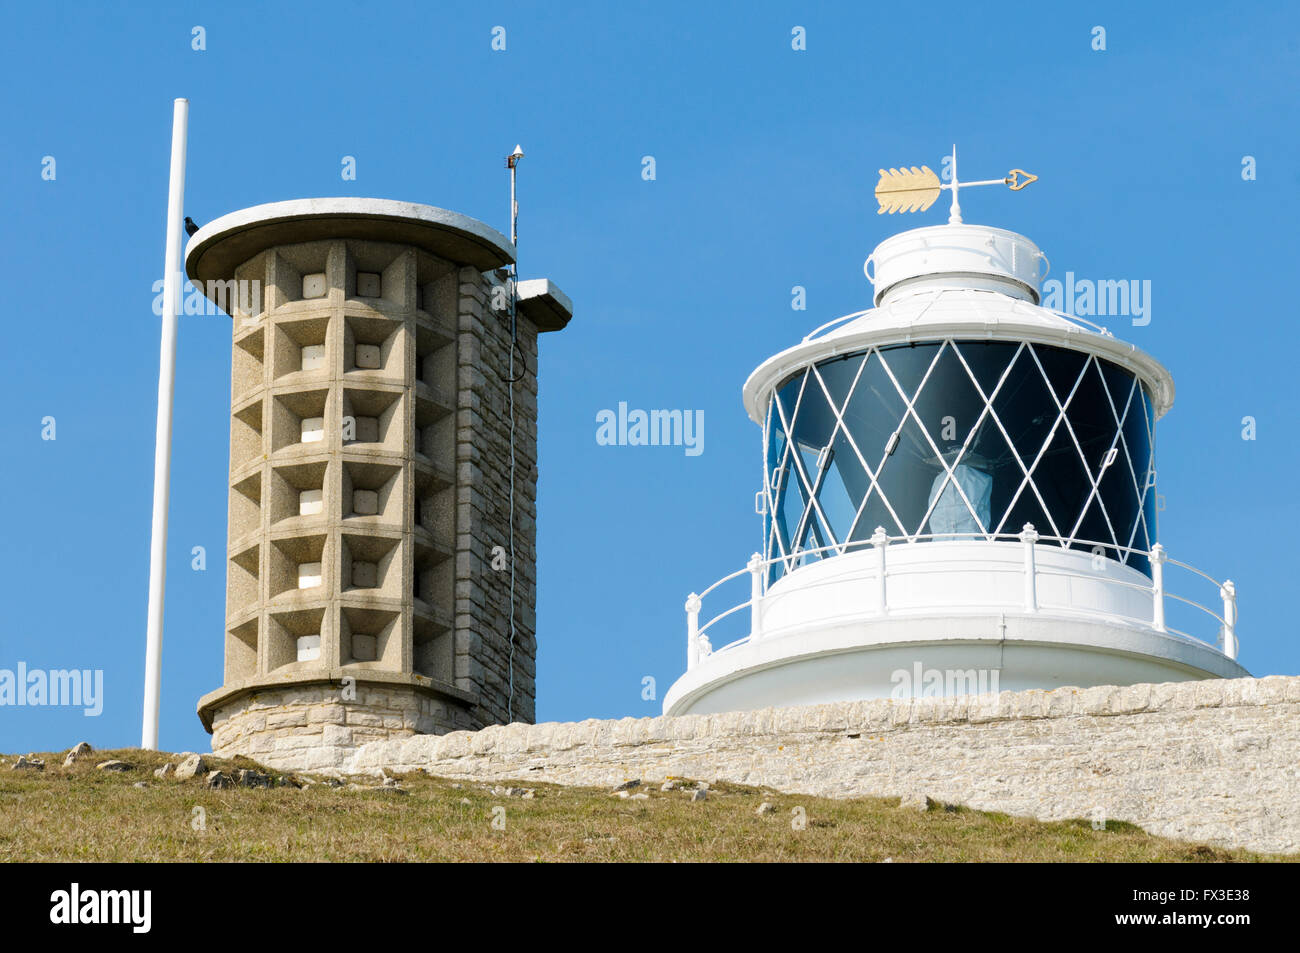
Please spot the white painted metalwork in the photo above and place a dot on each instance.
(1008, 453)
(693, 629)
(755, 568)
(1030, 538)
(1033, 576)
(961, 256)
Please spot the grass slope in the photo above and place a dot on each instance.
(83, 814)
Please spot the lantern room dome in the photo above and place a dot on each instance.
(976, 283)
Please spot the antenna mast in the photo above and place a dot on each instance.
(512, 161)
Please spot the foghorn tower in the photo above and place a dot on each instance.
(959, 496)
(376, 436)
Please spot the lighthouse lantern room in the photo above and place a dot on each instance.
(959, 496)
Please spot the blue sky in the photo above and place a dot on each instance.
(766, 159)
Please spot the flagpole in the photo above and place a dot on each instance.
(163, 438)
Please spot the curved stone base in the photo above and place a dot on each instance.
(313, 728)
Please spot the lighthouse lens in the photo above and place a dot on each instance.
(960, 440)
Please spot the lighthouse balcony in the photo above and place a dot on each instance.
(1024, 611)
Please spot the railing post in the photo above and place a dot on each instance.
(880, 540)
(1029, 537)
(755, 597)
(1158, 557)
(1229, 593)
(692, 631)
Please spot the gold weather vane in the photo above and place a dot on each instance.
(911, 190)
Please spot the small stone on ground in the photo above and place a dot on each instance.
(219, 779)
(192, 766)
(82, 748)
(253, 779)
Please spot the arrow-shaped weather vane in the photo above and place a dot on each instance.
(911, 190)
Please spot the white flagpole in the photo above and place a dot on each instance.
(163, 440)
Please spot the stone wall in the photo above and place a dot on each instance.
(1214, 761)
(482, 596)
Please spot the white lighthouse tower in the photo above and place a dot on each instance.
(959, 496)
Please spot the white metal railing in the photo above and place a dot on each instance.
(830, 324)
(1074, 319)
(699, 646)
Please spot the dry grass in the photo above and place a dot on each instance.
(81, 813)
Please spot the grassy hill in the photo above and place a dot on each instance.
(81, 813)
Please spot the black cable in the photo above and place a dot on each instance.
(519, 349)
(512, 380)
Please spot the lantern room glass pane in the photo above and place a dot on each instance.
(982, 414)
(873, 412)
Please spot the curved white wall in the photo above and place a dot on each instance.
(951, 607)
(966, 575)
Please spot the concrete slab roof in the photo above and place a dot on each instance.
(220, 246)
(545, 304)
